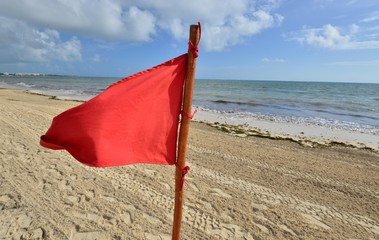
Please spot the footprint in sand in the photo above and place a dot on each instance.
(219, 193)
(165, 185)
(150, 172)
(8, 202)
(108, 198)
(73, 199)
(194, 187)
(287, 229)
(76, 234)
(263, 228)
(90, 194)
(231, 230)
(24, 221)
(127, 217)
(73, 176)
(149, 236)
(152, 219)
(45, 185)
(37, 234)
(65, 185)
(315, 223)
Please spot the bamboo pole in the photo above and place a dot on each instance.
(194, 36)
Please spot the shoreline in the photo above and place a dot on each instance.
(303, 134)
(307, 135)
(243, 131)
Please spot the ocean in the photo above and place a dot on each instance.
(350, 106)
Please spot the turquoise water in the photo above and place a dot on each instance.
(352, 106)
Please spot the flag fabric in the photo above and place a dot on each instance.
(133, 121)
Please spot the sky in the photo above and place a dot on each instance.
(311, 40)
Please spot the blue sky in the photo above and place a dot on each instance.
(313, 40)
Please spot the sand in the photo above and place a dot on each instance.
(238, 187)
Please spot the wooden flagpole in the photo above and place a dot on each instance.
(194, 37)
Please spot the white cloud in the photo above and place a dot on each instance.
(97, 18)
(224, 24)
(275, 60)
(21, 43)
(335, 38)
(218, 37)
(372, 17)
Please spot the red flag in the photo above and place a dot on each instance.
(133, 121)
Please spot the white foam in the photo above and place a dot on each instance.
(295, 130)
(24, 85)
(65, 94)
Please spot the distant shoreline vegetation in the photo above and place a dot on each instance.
(31, 74)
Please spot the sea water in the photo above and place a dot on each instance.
(350, 106)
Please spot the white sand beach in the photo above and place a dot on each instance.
(239, 187)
